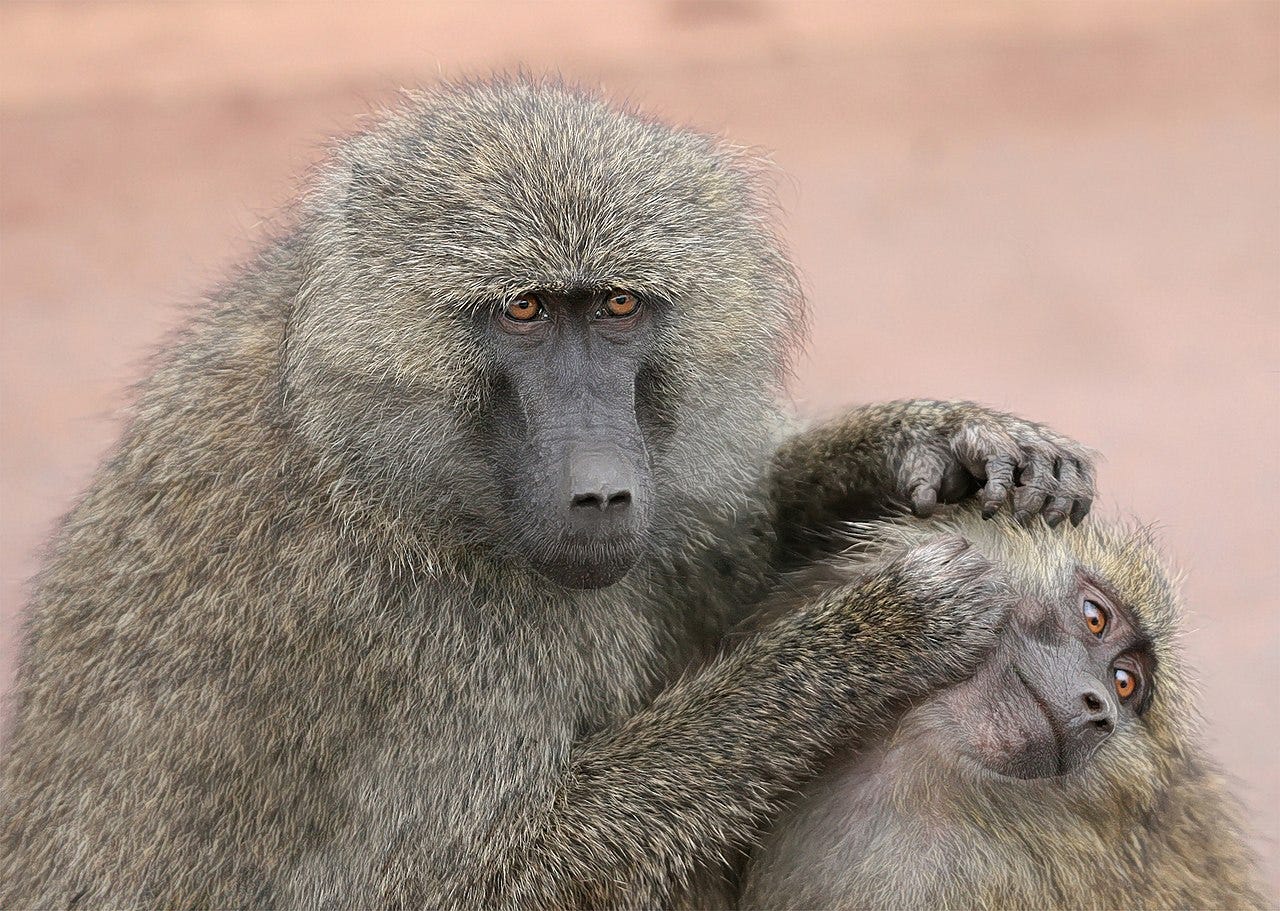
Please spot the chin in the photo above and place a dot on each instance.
(1031, 765)
(1026, 769)
(588, 571)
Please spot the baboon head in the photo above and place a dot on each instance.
(551, 330)
(1086, 687)
(1072, 669)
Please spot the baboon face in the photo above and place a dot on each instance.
(572, 452)
(553, 329)
(1085, 698)
(1069, 672)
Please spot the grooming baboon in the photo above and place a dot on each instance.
(1064, 774)
(402, 584)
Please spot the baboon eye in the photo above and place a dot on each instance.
(620, 303)
(1095, 617)
(524, 309)
(1125, 683)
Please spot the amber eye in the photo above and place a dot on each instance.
(1125, 683)
(524, 308)
(620, 303)
(1094, 617)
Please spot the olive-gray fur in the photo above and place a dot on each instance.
(280, 654)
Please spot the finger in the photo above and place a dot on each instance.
(1075, 485)
(924, 500)
(1060, 502)
(990, 455)
(999, 471)
(922, 471)
(1034, 487)
(1084, 491)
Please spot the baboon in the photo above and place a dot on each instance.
(1064, 774)
(404, 584)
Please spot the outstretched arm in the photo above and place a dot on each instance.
(689, 779)
(920, 453)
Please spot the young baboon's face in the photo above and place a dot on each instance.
(1071, 670)
(1085, 698)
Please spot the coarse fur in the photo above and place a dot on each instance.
(284, 652)
(1147, 822)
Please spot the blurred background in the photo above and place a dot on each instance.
(1068, 210)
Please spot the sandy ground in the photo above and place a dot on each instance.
(1068, 210)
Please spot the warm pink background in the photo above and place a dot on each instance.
(1068, 210)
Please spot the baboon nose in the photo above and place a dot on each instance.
(602, 500)
(599, 482)
(1098, 711)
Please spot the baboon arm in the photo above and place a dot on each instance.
(688, 779)
(833, 471)
(916, 454)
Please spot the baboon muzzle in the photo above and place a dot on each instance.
(595, 487)
(601, 481)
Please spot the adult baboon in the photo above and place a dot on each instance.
(394, 590)
(1064, 774)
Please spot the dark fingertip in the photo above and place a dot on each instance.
(993, 498)
(1054, 519)
(924, 501)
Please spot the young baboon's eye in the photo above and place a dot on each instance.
(1094, 617)
(1126, 683)
(620, 303)
(525, 308)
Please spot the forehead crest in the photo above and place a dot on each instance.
(512, 185)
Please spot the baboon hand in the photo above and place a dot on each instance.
(936, 612)
(957, 450)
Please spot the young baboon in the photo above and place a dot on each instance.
(1064, 774)
(400, 587)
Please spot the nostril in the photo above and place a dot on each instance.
(588, 501)
(619, 499)
(1104, 724)
(1093, 702)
